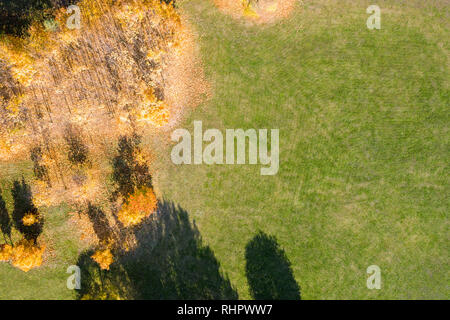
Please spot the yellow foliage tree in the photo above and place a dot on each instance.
(26, 255)
(104, 258)
(59, 89)
(139, 206)
(30, 219)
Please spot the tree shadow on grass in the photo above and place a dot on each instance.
(24, 206)
(268, 270)
(169, 261)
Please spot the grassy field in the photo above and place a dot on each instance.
(363, 119)
(363, 179)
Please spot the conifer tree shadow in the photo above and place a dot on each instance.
(169, 261)
(268, 270)
(16, 15)
(23, 206)
(100, 223)
(128, 173)
(5, 220)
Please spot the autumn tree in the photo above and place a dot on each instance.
(25, 254)
(140, 205)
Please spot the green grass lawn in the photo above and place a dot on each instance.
(363, 179)
(363, 119)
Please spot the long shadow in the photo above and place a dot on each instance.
(23, 206)
(169, 261)
(128, 173)
(268, 270)
(5, 220)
